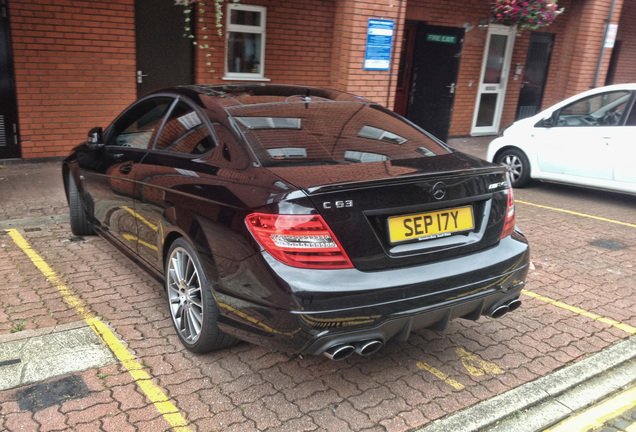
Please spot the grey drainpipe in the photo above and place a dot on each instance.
(600, 57)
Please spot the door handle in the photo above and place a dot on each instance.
(452, 88)
(140, 77)
(126, 167)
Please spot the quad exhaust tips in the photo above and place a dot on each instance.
(363, 348)
(503, 308)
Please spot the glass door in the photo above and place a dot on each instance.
(494, 79)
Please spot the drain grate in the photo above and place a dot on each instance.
(41, 396)
(609, 244)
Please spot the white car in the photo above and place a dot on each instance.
(588, 140)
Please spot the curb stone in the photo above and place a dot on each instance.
(545, 390)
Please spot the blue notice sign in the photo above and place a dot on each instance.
(379, 43)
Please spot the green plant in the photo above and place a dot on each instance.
(18, 327)
(190, 27)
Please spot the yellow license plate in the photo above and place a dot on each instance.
(423, 226)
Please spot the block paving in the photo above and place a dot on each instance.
(251, 388)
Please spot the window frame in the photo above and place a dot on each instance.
(203, 119)
(239, 28)
(113, 131)
(562, 115)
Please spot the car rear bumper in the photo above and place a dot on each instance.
(336, 307)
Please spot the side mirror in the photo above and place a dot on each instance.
(95, 138)
(551, 121)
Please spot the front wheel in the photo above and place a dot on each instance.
(518, 166)
(79, 221)
(192, 307)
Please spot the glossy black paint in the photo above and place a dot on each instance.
(144, 199)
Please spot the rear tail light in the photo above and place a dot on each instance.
(509, 224)
(298, 240)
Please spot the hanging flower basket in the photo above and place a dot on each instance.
(526, 14)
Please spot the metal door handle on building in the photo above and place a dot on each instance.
(452, 88)
(140, 77)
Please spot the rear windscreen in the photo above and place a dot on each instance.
(320, 133)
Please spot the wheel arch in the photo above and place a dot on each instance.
(198, 240)
(510, 147)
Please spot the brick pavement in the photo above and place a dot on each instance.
(250, 388)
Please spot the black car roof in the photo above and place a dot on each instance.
(248, 94)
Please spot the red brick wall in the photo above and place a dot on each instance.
(578, 35)
(312, 42)
(74, 68)
(75, 60)
(626, 65)
(298, 43)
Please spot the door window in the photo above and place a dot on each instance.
(185, 132)
(245, 41)
(137, 127)
(494, 80)
(495, 59)
(605, 109)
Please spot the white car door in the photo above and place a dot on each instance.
(579, 146)
(623, 144)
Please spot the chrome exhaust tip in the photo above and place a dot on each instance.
(339, 352)
(514, 305)
(499, 311)
(367, 348)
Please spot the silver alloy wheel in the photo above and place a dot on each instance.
(184, 295)
(514, 165)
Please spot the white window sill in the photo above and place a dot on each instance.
(237, 78)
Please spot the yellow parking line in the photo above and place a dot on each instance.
(596, 416)
(136, 370)
(578, 214)
(625, 327)
(441, 375)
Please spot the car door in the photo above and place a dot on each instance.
(171, 176)
(623, 143)
(577, 144)
(109, 171)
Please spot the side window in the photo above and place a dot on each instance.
(184, 132)
(245, 41)
(604, 109)
(138, 126)
(631, 120)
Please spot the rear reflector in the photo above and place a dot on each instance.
(509, 224)
(298, 240)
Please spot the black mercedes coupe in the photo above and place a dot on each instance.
(298, 218)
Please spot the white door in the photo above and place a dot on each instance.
(494, 79)
(588, 140)
(623, 144)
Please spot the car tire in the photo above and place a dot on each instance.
(192, 306)
(517, 163)
(79, 221)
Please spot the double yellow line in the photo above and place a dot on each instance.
(136, 370)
